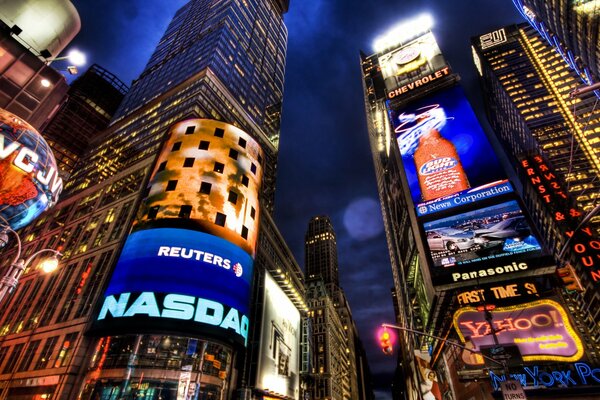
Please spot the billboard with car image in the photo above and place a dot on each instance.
(480, 244)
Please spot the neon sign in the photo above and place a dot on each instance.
(584, 242)
(536, 377)
(540, 329)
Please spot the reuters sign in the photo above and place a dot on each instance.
(29, 180)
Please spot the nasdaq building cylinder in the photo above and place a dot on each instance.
(186, 267)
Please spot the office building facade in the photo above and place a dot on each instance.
(120, 183)
(527, 86)
(445, 200)
(339, 368)
(572, 28)
(91, 101)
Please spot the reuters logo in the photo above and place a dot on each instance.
(238, 270)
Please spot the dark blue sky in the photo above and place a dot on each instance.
(325, 164)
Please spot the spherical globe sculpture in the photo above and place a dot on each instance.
(29, 180)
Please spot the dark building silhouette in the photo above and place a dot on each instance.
(92, 100)
(340, 369)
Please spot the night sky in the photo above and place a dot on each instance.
(325, 165)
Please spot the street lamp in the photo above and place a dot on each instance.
(75, 58)
(9, 281)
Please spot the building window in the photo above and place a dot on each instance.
(219, 167)
(260, 159)
(233, 154)
(161, 166)
(153, 212)
(176, 146)
(189, 130)
(219, 132)
(12, 359)
(252, 212)
(205, 187)
(253, 168)
(188, 162)
(171, 185)
(204, 145)
(220, 219)
(28, 357)
(245, 180)
(185, 211)
(46, 353)
(244, 232)
(242, 142)
(232, 197)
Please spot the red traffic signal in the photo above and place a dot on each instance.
(385, 342)
(569, 277)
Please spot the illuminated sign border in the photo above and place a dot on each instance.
(567, 325)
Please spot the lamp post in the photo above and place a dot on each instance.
(9, 281)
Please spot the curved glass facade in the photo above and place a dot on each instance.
(158, 367)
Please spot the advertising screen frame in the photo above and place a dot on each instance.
(462, 149)
(549, 314)
(279, 355)
(206, 290)
(487, 270)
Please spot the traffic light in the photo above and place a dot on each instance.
(569, 277)
(386, 343)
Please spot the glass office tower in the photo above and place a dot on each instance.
(218, 72)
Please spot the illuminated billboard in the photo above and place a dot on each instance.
(179, 280)
(29, 180)
(486, 242)
(541, 331)
(412, 65)
(187, 266)
(279, 362)
(208, 176)
(444, 149)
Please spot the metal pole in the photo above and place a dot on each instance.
(450, 342)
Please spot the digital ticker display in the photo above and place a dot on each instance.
(444, 149)
(495, 241)
(193, 281)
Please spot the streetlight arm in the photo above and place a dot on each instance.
(37, 253)
(450, 342)
(6, 228)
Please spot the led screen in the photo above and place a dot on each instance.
(481, 243)
(182, 280)
(208, 173)
(412, 65)
(187, 266)
(278, 366)
(444, 149)
(541, 331)
(29, 180)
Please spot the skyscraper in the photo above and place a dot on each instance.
(527, 85)
(457, 230)
(193, 109)
(572, 27)
(92, 100)
(338, 357)
(320, 253)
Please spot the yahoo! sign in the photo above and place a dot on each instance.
(535, 376)
(541, 330)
